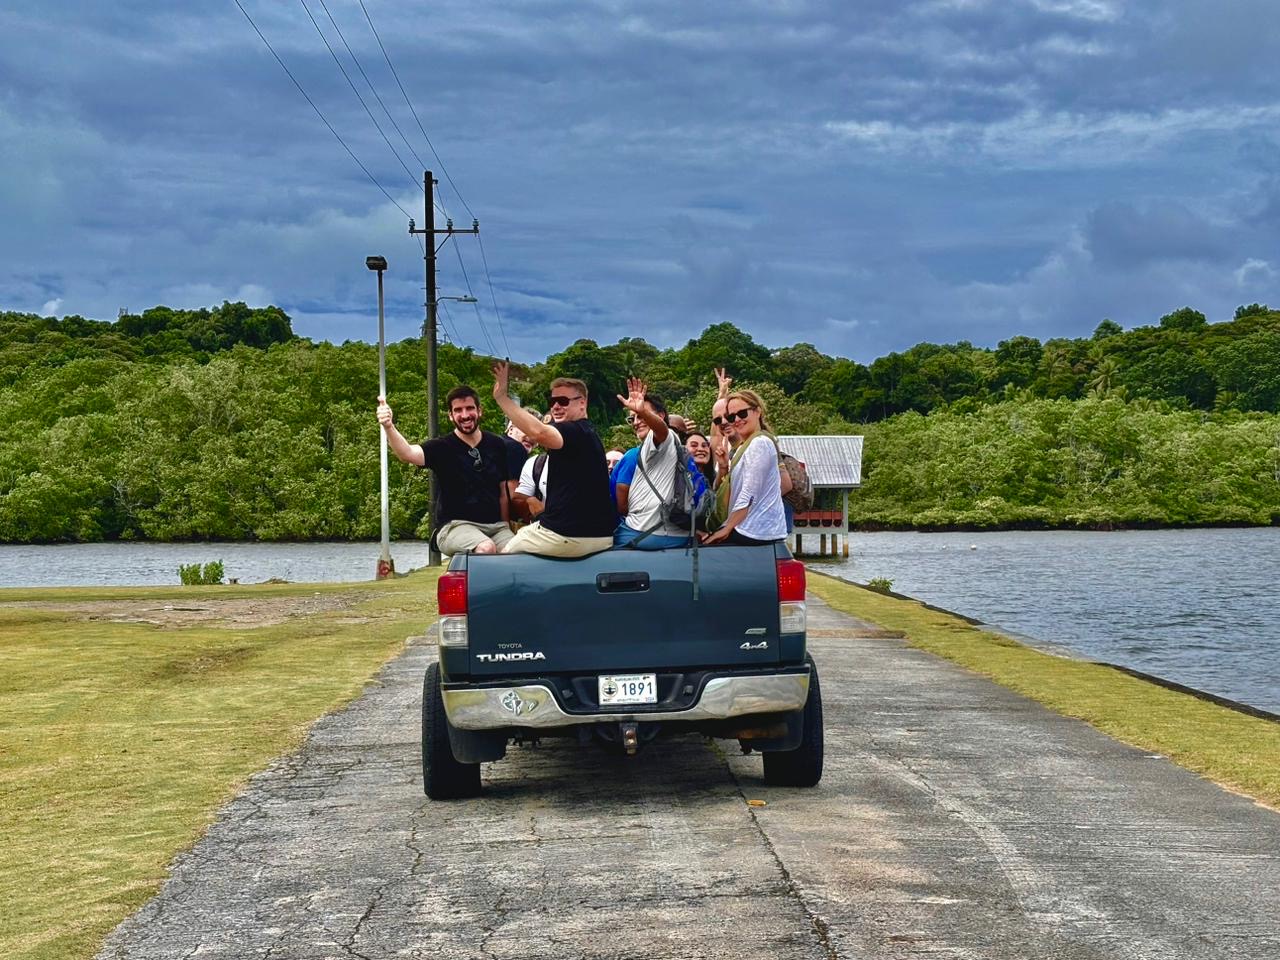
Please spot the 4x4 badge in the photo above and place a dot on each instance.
(762, 645)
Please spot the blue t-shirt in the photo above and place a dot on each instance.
(624, 471)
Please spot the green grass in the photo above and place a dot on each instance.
(120, 740)
(1233, 749)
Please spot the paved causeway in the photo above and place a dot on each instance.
(955, 819)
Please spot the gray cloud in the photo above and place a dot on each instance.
(862, 176)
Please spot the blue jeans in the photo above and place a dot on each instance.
(624, 536)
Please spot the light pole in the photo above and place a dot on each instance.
(433, 410)
(386, 566)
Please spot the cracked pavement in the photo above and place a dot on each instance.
(955, 819)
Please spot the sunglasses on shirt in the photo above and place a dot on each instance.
(475, 458)
(562, 401)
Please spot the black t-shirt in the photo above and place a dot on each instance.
(468, 479)
(516, 456)
(578, 499)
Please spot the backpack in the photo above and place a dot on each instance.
(800, 496)
(689, 498)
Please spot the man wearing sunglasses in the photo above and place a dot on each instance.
(471, 467)
(578, 518)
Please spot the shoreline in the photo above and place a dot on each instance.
(1053, 650)
(1235, 748)
(866, 527)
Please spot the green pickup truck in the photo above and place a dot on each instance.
(621, 648)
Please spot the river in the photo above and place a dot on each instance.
(1198, 607)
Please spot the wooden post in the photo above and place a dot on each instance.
(844, 524)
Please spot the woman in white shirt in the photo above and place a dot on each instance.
(755, 513)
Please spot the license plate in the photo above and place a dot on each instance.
(628, 688)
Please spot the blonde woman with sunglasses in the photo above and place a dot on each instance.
(754, 508)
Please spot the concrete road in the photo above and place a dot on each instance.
(955, 820)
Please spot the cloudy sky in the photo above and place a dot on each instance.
(858, 174)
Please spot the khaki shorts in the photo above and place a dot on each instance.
(535, 538)
(461, 536)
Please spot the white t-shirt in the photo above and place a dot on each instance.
(526, 486)
(644, 506)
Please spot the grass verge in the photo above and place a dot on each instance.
(129, 715)
(1233, 749)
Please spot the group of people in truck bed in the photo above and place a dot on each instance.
(486, 484)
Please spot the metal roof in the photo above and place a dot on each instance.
(830, 461)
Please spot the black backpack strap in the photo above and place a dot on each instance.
(539, 464)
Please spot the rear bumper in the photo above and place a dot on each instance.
(534, 705)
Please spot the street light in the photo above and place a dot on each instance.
(386, 566)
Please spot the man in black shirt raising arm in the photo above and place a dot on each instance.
(579, 517)
(472, 469)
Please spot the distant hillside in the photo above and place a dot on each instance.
(221, 424)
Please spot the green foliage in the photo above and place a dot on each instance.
(880, 584)
(193, 575)
(1089, 463)
(1184, 319)
(220, 425)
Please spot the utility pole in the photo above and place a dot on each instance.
(432, 303)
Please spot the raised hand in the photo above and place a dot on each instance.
(501, 376)
(636, 390)
(724, 381)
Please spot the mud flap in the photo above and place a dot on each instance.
(477, 746)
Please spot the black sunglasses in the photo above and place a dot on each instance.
(737, 415)
(562, 401)
(475, 458)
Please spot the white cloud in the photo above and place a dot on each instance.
(51, 307)
(1035, 138)
(1096, 11)
(1253, 271)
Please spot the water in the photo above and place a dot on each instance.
(148, 564)
(1199, 607)
(1195, 606)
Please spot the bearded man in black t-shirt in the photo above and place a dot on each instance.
(472, 467)
(579, 517)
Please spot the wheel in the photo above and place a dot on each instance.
(443, 777)
(801, 767)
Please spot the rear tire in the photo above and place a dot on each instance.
(443, 777)
(801, 767)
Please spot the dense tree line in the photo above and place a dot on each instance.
(221, 424)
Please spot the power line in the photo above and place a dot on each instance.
(374, 90)
(458, 193)
(496, 312)
(351, 83)
(409, 103)
(317, 110)
(493, 350)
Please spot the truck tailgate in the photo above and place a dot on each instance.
(622, 610)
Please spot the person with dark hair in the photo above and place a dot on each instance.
(645, 502)
(578, 519)
(472, 468)
(699, 447)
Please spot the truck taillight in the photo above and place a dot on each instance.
(451, 593)
(790, 581)
(792, 613)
